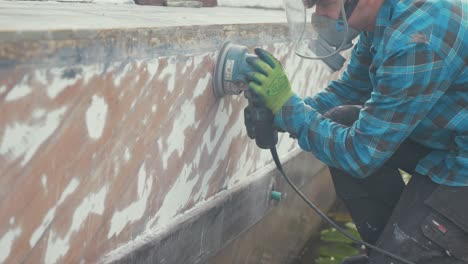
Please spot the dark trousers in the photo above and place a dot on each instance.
(423, 222)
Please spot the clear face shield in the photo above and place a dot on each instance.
(320, 37)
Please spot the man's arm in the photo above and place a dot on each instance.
(408, 84)
(353, 87)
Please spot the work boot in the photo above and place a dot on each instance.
(361, 259)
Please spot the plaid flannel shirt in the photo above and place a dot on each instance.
(411, 76)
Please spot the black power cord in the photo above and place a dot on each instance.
(274, 154)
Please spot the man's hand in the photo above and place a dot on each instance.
(269, 80)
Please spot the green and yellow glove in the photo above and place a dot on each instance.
(269, 80)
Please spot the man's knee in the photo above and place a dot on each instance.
(427, 225)
(345, 115)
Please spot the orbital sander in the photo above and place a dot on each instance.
(229, 79)
(231, 67)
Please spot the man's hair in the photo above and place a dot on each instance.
(309, 3)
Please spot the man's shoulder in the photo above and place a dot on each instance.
(410, 17)
(434, 23)
(408, 10)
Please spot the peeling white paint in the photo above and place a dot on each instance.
(117, 164)
(175, 199)
(211, 141)
(41, 76)
(176, 138)
(44, 181)
(229, 109)
(96, 117)
(19, 91)
(153, 109)
(24, 139)
(202, 84)
(136, 210)
(59, 84)
(6, 242)
(38, 113)
(58, 246)
(118, 76)
(187, 65)
(220, 122)
(127, 155)
(198, 60)
(37, 234)
(159, 142)
(169, 72)
(12, 221)
(152, 67)
(92, 71)
(2, 89)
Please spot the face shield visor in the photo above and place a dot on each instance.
(319, 37)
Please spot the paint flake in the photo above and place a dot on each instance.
(59, 84)
(152, 67)
(24, 139)
(185, 119)
(57, 246)
(175, 199)
(136, 210)
(202, 84)
(119, 75)
(96, 116)
(41, 76)
(127, 155)
(37, 234)
(6, 243)
(170, 72)
(19, 91)
(44, 181)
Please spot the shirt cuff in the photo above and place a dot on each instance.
(292, 116)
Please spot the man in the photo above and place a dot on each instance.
(401, 104)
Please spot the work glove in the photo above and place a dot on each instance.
(269, 80)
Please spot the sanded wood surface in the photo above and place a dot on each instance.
(96, 154)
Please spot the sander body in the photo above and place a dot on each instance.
(230, 79)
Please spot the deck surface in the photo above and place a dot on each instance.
(58, 16)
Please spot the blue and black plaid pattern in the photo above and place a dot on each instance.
(411, 76)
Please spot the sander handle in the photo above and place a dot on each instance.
(259, 121)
